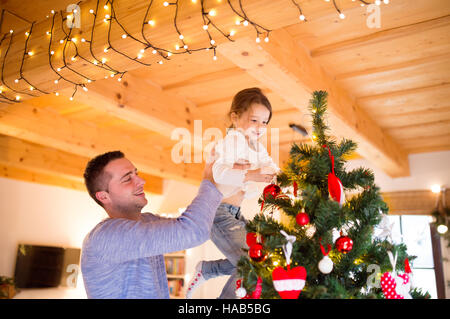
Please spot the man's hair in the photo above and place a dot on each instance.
(95, 178)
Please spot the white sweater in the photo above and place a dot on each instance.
(234, 148)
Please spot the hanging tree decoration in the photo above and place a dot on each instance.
(334, 183)
(325, 264)
(288, 282)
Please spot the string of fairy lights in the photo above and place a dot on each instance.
(107, 12)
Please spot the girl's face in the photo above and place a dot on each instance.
(253, 122)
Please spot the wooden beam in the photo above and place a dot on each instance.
(31, 176)
(381, 36)
(46, 161)
(288, 69)
(44, 127)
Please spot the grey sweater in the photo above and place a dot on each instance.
(123, 258)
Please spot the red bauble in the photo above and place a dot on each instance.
(344, 244)
(252, 238)
(271, 189)
(256, 252)
(302, 218)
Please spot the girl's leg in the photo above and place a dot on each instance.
(216, 268)
(229, 235)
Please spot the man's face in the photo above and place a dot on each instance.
(125, 192)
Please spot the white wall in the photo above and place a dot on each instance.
(48, 215)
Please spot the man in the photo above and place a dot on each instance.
(122, 257)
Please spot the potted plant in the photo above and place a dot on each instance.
(7, 287)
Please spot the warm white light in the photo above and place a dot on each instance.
(436, 188)
(238, 22)
(105, 50)
(31, 88)
(107, 16)
(152, 23)
(57, 93)
(30, 53)
(85, 88)
(266, 39)
(95, 62)
(232, 32)
(377, 2)
(17, 97)
(212, 42)
(212, 12)
(215, 58)
(48, 33)
(16, 80)
(56, 81)
(258, 40)
(160, 62)
(83, 40)
(185, 46)
(89, 81)
(154, 51)
(205, 27)
(103, 60)
(181, 37)
(124, 36)
(442, 229)
(53, 11)
(91, 11)
(245, 23)
(58, 69)
(27, 33)
(342, 16)
(11, 31)
(61, 41)
(177, 47)
(165, 3)
(139, 56)
(105, 7)
(386, 1)
(72, 58)
(302, 17)
(169, 53)
(71, 98)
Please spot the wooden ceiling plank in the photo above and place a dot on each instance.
(382, 36)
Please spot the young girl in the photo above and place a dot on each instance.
(241, 161)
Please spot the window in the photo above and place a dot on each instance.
(414, 232)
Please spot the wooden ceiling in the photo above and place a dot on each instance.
(388, 87)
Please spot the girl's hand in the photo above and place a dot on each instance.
(254, 175)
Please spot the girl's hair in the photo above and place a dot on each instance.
(245, 98)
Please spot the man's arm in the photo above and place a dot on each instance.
(119, 240)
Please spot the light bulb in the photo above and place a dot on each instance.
(212, 42)
(139, 56)
(232, 32)
(27, 33)
(212, 12)
(83, 40)
(341, 15)
(177, 47)
(169, 53)
(16, 80)
(57, 93)
(56, 81)
(105, 7)
(245, 23)
(103, 60)
(215, 57)
(151, 22)
(181, 37)
(58, 69)
(185, 46)
(154, 51)
(205, 27)
(386, 1)
(85, 88)
(71, 98)
(165, 3)
(105, 50)
(30, 53)
(124, 36)
(377, 2)
(436, 188)
(91, 11)
(31, 88)
(302, 17)
(258, 40)
(442, 229)
(107, 16)
(266, 39)
(17, 97)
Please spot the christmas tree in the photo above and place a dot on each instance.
(300, 256)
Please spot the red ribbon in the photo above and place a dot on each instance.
(331, 157)
(323, 249)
